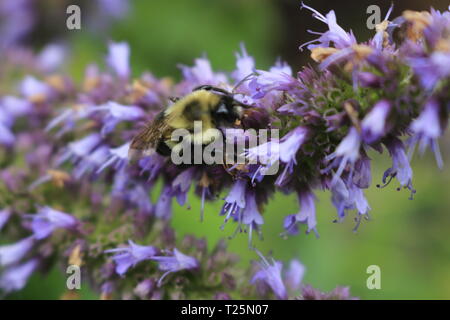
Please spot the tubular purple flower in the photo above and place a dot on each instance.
(47, 220)
(139, 196)
(177, 262)
(294, 275)
(432, 69)
(15, 278)
(51, 57)
(235, 201)
(279, 77)
(12, 253)
(201, 73)
(288, 148)
(360, 202)
(362, 177)
(291, 143)
(400, 165)
(116, 113)
(374, 123)
(153, 165)
(92, 162)
(270, 275)
(130, 256)
(16, 21)
(120, 183)
(306, 215)
(15, 107)
(79, 149)
(251, 216)
(144, 288)
(340, 197)
(118, 58)
(68, 119)
(284, 150)
(35, 90)
(335, 34)
(245, 65)
(181, 185)
(6, 119)
(346, 152)
(427, 129)
(163, 208)
(349, 197)
(118, 158)
(266, 154)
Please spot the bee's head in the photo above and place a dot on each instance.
(228, 110)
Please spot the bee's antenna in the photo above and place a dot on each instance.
(247, 77)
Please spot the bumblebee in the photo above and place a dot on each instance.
(214, 107)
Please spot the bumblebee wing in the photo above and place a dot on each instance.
(146, 141)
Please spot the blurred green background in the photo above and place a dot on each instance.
(407, 239)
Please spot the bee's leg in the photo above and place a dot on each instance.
(174, 99)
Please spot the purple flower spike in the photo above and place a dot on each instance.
(47, 220)
(270, 275)
(118, 58)
(13, 253)
(374, 123)
(131, 255)
(15, 278)
(177, 262)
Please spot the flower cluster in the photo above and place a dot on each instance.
(390, 93)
